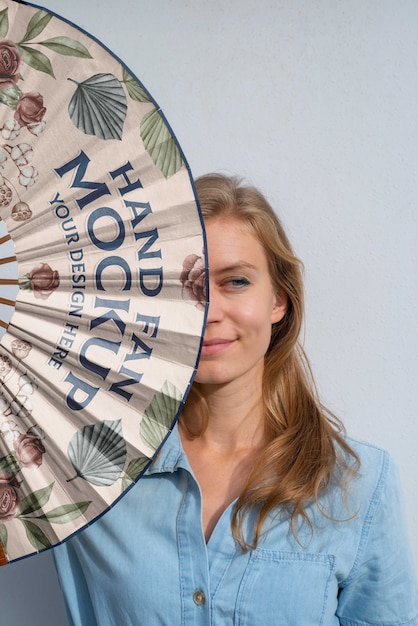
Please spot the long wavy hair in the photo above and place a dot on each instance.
(305, 445)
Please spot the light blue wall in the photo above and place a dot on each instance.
(316, 102)
(30, 595)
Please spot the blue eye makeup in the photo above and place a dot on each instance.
(239, 281)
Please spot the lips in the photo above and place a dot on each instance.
(214, 346)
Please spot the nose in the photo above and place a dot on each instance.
(215, 308)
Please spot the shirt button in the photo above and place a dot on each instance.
(199, 597)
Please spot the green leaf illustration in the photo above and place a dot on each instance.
(35, 535)
(11, 96)
(9, 465)
(36, 25)
(160, 144)
(37, 60)
(34, 501)
(65, 513)
(4, 22)
(133, 470)
(98, 452)
(3, 535)
(159, 415)
(135, 90)
(98, 107)
(66, 46)
(24, 283)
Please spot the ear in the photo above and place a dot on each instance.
(280, 303)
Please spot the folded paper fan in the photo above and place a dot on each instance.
(101, 311)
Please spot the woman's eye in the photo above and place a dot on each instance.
(239, 281)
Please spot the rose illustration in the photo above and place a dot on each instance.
(193, 279)
(10, 60)
(43, 281)
(30, 109)
(9, 497)
(29, 450)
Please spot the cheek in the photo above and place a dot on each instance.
(255, 318)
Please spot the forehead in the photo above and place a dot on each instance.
(232, 242)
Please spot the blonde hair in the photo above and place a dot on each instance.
(305, 448)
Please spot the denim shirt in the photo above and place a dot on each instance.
(146, 563)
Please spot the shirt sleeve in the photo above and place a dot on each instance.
(381, 589)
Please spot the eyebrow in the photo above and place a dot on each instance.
(235, 267)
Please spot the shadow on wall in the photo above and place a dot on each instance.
(30, 587)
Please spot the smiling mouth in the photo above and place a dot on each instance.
(214, 346)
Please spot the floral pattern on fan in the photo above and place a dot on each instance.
(99, 107)
(99, 336)
(98, 452)
(27, 450)
(159, 415)
(30, 510)
(18, 404)
(193, 279)
(42, 281)
(28, 107)
(154, 428)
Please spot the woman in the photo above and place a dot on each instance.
(258, 510)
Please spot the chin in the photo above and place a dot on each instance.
(211, 378)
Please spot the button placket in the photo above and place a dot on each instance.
(194, 569)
